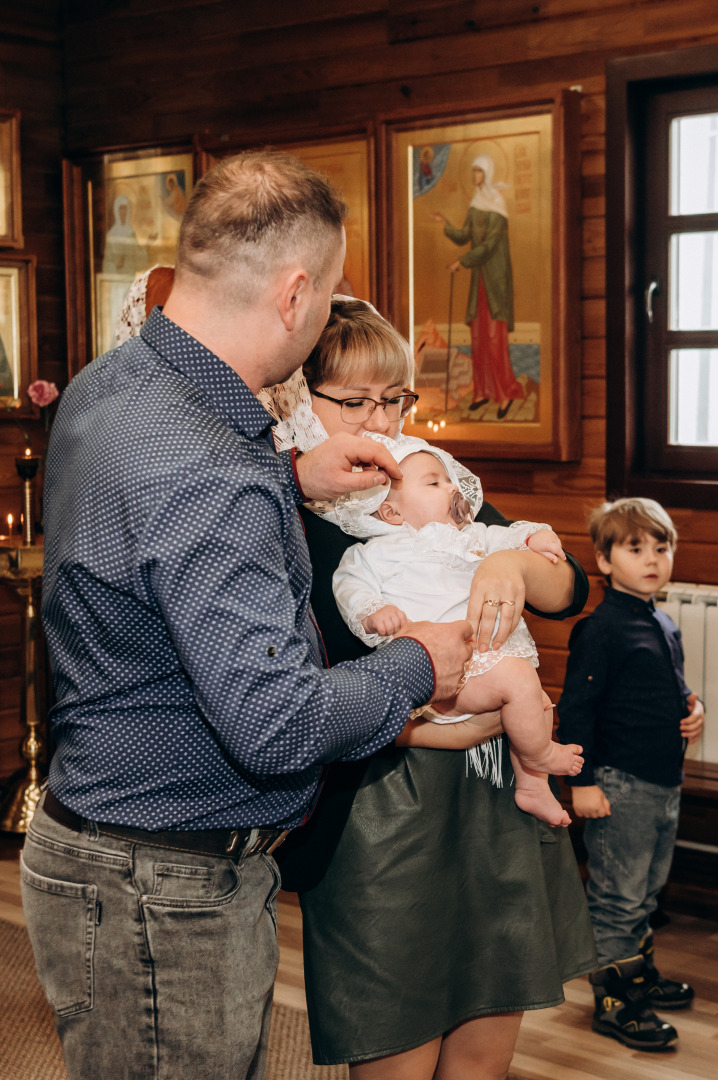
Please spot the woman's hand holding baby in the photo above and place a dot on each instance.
(386, 621)
(546, 542)
(497, 596)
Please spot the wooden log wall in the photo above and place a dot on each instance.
(31, 81)
(147, 71)
(152, 72)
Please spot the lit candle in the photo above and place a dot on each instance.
(28, 451)
(9, 524)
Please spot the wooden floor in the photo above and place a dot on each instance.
(554, 1044)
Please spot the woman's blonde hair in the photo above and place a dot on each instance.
(359, 343)
(621, 520)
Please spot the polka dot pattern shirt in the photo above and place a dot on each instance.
(188, 675)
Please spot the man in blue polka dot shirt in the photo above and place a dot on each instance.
(194, 712)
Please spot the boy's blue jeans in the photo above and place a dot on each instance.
(159, 963)
(629, 858)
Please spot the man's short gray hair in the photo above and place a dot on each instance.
(254, 213)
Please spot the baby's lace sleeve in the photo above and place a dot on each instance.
(502, 538)
(357, 591)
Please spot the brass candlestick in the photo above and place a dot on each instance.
(27, 467)
(21, 569)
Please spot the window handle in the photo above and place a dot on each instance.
(651, 291)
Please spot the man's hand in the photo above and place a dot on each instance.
(386, 621)
(327, 471)
(692, 725)
(590, 802)
(450, 646)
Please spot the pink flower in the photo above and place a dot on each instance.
(42, 392)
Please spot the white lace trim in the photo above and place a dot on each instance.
(519, 643)
(451, 546)
(353, 512)
(290, 404)
(133, 315)
(354, 621)
(528, 528)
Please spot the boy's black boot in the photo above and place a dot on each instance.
(621, 1010)
(659, 992)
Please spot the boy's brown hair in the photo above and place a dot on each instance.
(614, 522)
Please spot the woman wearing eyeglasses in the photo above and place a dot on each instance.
(434, 910)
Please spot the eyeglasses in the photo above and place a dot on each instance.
(357, 410)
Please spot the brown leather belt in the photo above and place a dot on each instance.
(231, 843)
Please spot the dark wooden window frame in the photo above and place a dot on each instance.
(629, 470)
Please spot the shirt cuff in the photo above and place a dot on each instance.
(288, 461)
(405, 670)
(423, 672)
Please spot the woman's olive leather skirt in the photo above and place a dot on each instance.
(429, 898)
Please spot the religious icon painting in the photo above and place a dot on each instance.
(486, 278)
(123, 213)
(18, 335)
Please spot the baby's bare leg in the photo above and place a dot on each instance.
(515, 683)
(529, 725)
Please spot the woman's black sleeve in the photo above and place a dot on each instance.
(327, 543)
(489, 515)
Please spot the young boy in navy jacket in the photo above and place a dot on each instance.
(626, 702)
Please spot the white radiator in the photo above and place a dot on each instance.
(694, 608)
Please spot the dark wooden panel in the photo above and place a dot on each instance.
(593, 355)
(31, 61)
(593, 277)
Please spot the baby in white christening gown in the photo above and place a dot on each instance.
(419, 564)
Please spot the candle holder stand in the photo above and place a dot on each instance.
(27, 467)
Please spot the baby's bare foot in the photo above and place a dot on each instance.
(541, 803)
(559, 760)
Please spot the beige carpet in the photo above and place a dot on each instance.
(30, 1049)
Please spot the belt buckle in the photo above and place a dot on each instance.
(265, 844)
(279, 840)
(233, 841)
(265, 841)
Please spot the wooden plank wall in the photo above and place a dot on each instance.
(148, 70)
(31, 81)
(153, 71)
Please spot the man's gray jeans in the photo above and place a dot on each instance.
(159, 964)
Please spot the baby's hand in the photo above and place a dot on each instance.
(546, 542)
(386, 621)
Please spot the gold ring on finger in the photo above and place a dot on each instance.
(493, 603)
(511, 603)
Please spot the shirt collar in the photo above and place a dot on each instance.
(615, 596)
(228, 394)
